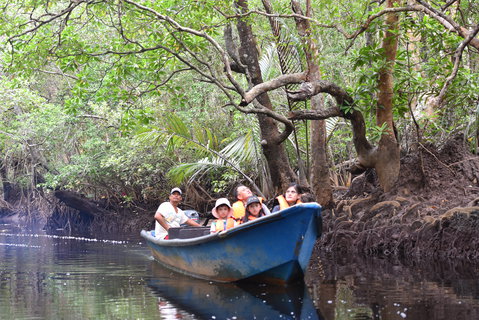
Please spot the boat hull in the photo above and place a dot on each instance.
(272, 249)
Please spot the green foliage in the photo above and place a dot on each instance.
(376, 132)
(216, 158)
(107, 103)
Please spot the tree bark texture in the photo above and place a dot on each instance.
(387, 166)
(320, 179)
(384, 158)
(273, 150)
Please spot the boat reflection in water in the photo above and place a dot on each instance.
(210, 300)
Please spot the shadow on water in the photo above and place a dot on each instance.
(209, 300)
(373, 288)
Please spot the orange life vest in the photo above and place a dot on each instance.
(221, 224)
(239, 209)
(283, 204)
(250, 218)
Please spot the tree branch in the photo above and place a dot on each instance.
(457, 61)
(41, 23)
(448, 22)
(308, 89)
(223, 54)
(270, 85)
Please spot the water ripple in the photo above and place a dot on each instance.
(64, 238)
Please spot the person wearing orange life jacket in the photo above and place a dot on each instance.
(253, 210)
(291, 197)
(242, 193)
(223, 213)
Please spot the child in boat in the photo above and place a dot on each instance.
(223, 213)
(254, 209)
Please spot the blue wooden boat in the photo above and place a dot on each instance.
(271, 249)
(208, 300)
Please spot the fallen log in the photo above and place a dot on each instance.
(86, 207)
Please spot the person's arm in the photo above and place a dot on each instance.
(275, 209)
(190, 222)
(265, 209)
(161, 220)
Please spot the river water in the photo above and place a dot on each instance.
(64, 277)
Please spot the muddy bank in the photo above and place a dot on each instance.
(433, 210)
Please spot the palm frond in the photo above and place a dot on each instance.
(331, 125)
(176, 134)
(241, 149)
(185, 171)
(267, 61)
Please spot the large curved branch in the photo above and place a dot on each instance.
(308, 89)
(315, 114)
(270, 85)
(259, 109)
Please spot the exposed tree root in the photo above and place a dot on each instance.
(439, 220)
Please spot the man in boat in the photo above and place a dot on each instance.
(169, 215)
(242, 193)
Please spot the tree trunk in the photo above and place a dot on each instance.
(320, 179)
(273, 150)
(387, 166)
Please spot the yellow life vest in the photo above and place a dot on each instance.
(283, 204)
(220, 224)
(239, 209)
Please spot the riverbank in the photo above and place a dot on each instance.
(431, 212)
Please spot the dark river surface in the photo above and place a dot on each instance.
(64, 277)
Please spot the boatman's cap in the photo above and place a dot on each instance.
(176, 190)
(219, 202)
(252, 199)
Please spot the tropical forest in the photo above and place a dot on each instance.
(371, 106)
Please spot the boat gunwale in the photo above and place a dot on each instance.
(223, 234)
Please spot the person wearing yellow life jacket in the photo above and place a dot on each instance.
(223, 213)
(253, 210)
(242, 193)
(291, 197)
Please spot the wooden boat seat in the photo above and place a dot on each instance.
(187, 232)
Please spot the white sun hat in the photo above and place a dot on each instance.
(176, 190)
(220, 202)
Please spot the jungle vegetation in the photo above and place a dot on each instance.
(119, 100)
